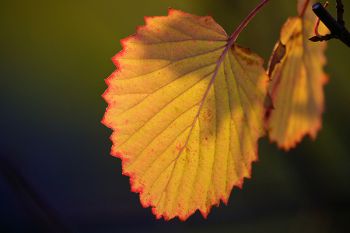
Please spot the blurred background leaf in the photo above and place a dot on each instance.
(57, 175)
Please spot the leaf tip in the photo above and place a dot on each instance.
(172, 11)
(205, 213)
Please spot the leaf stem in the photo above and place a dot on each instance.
(302, 13)
(245, 22)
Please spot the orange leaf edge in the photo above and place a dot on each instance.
(312, 133)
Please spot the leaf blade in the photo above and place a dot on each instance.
(297, 82)
(186, 127)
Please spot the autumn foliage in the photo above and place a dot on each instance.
(297, 79)
(187, 106)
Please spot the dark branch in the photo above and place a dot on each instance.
(337, 29)
(327, 19)
(340, 12)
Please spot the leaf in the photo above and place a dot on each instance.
(297, 80)
(187, 111)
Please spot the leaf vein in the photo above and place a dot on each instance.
(162, 108)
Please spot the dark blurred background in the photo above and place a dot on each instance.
(56, 174)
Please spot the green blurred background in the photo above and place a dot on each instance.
(56, 174)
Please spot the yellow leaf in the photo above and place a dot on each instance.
(297, 80)
(187, 111)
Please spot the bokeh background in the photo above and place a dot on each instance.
(56, 174)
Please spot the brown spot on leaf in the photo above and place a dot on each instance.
(277, 56)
